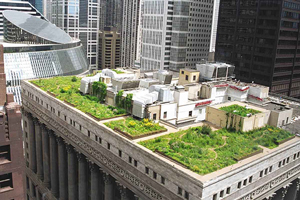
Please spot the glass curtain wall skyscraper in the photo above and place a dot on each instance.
(176, 34)
(80, 19)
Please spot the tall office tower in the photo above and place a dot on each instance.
(80, 19)
(47, 9)
(262, 39)
(109, 48)
(11, 145)
(38, 4)
(176, 34)
(130, 24)
(214, 27)
(111, 14)
(19, 6)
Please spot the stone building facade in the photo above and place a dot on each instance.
(11, 148)
(73, 156)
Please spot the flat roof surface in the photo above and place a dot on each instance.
(36, 26)
(202, 178)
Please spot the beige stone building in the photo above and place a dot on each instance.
(187, 76)
(109, 48)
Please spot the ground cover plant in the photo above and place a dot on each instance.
(239, 110)
(67, 89)
(135, 127)
(205, 151)
(118, 71)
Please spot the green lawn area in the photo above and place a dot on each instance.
(118, 71)
(204, 152)
(135, 127)
(239, 110)
(67, 89)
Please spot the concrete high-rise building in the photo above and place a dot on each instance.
(11, 146)
(80, 19)
(261, 38)
(38, 4)
(109, 48)
(214, 27)
(130, 25)
(18, 6)
(176, 34)
(111, 14)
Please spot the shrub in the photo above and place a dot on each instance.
(74, 79)
(206, 130)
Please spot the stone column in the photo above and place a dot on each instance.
(293, 190)
(63, 174)
(46, 156)
(72, 174)
(123, 191)
(94, 181)
(54, 165)
(31, 135)
(108, 187)
(82, 182)
(39, 152)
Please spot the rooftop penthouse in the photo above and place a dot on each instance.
(157, 160)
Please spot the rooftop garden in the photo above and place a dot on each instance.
(204, 151)
(67, 89)
(118, 71)
(135, 128)
(239, 110)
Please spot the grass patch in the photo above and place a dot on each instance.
(135, 127)
(67, 89)
(205, 153)
(239, 110)
(118, 71)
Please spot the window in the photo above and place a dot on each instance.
(222, 193)
(283, 162)
(287, 160)
(135, 163)
(6, 182)
(65, 118)
(58, 112)
(215, 197)
(4, 154)
(129, 159)
(186, 195)
(162, 180)
(147, 170)
(250, 179)
(154, 175)
(100, 140)
(96, 138)
(80, 127)
(270, 169)
(108, 145)
(266, 171)
(245, 182)
(89, 133)
(74, 123)
(190, 113)
(239, 184)
(182, 72)
(194, 78)
(71, 121)
(25, 124)
(295, 155)
(186, 77)
(229, 98)
(120, 153)
(154, 116)
(228, 190)
(179, 191)
(165, 114)
(261, 173)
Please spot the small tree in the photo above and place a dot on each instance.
(99, 90)
(128, 102)
(119, 98)
(206, 130)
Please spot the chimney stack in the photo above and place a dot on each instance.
(2, 78)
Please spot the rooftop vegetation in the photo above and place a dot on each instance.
(204, 151)
(67, 89)
(239, 110)
(118, 71)
(135, 127)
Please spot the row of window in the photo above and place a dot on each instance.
(108, 145)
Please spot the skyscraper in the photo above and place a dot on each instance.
(130, 24)
(214, 27)
(111, 14)
(80, 19)
(109, 48)
(261, 38)
(11, 145)
(38, 4)
(176, 34)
